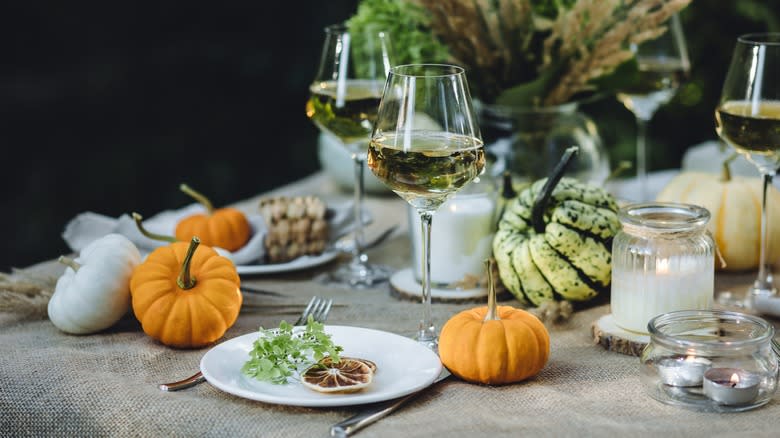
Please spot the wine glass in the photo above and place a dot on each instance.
(343, 103)
(747, 118)
(425, 146)
(663, 65)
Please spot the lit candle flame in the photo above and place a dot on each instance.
(661, 266)
(734, 380)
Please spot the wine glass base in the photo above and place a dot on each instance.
(428, 337)
(757, 292)
(431, 344)
(746, 302)
(356, 275)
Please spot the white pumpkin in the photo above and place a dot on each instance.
(94, 291)
(734, 203)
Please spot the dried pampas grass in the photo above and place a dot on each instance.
(24, 293)
(595, 37)
(504, 43)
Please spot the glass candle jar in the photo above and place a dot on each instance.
(710, 360)
(662, 261)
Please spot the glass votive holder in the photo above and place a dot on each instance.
(461, 237)
(662, 261)
(710, 360)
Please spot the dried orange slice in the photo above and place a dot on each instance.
(370, 364)
(347, 375)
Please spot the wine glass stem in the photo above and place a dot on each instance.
(357, 251)
(427, 333)
(641, 156)
(763, 282)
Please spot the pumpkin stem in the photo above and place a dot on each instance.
(186, 280)
(725, 174)
(507, 190)
(69, 262)
(621, 167)
(543, 197)
(198, 197)
(492, 308)
(138, 218)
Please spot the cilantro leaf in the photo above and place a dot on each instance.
(278, 354)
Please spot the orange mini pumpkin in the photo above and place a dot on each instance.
(186, 298)
(226, 227)
(494, 344)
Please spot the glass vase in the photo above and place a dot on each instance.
(529, 141)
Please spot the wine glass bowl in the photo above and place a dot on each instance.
(425, 146)
(747, 118)
(663, 65)
(343, 102)
(429, 172)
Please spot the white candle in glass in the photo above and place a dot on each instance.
(674, 283)
(461, 239)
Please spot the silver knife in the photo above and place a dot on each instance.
(375, 412)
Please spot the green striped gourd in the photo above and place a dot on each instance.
(554, 240)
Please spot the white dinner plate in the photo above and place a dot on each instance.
(403, 367)
(293, 265)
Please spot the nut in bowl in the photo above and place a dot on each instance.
(296, 226)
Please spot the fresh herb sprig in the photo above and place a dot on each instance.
(279, 353)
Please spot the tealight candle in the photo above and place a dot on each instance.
(731, 386)
(683, 371)
(662, 261)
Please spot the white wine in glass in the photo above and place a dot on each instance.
(343, 102)
(426, 146)
(747, 118)
(663, 65)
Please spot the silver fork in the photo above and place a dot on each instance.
(318, 308)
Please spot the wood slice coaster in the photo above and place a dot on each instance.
(404, 286)
(607, 334)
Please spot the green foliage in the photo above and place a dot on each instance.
(528, 93)
(759, 11)
(408, 26)
(279, 353)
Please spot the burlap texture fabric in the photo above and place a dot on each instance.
(54, 384)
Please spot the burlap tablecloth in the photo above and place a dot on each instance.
(53, 384)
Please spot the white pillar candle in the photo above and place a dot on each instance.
(461, 239)
(674, 283)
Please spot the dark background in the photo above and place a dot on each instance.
(109, 106)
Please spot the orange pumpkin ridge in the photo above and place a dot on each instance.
(735, 207)
(509, 349)
(226, 227)
(191, 314)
